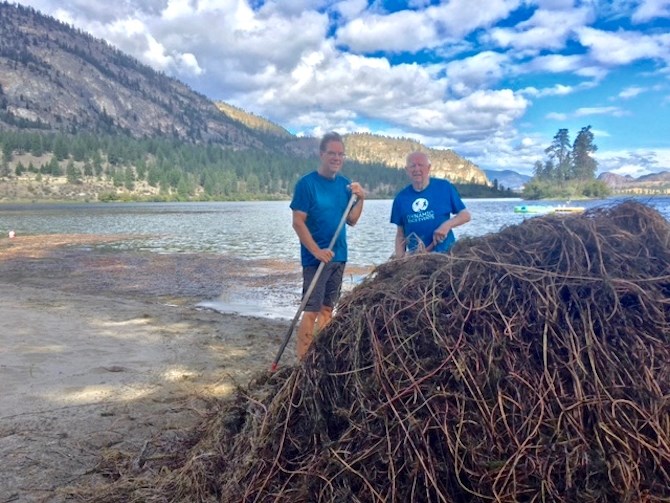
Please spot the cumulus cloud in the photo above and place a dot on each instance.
(404, 95)
(631, 92)
(461, 17)
(623, 47)
(401, 31)
(634, 162)
(555, 63)
(513, 151)
(350, 9)
(414, 30)
(482, 70)
(651, 9)
(543, 30)
(556, 90)
(449, 74)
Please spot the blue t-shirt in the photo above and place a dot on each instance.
(420, 213)
(324, 200)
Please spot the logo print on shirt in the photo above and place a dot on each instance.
(420, 204)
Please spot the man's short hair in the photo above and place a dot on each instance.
(327, 138)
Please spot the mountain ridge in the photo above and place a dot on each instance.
(54, 77)
(653, 183)
(507, 178)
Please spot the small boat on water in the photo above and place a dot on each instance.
(568, 209)
(529, 208)
(542, 209)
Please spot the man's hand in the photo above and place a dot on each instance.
(357, 189)
(440, 233)
(324, 256)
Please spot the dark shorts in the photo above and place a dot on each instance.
(326, 292)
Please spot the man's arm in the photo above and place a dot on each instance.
(305, 237)
(357, 209)
(460, 218)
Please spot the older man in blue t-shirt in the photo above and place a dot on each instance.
(426, 210)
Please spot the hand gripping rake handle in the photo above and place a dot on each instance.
(305, 298)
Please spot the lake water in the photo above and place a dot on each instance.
(248, 230)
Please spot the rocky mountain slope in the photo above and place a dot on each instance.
(54, 77)
(655, 183)
(507, 178)
(392, 152)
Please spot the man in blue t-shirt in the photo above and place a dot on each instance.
(426, 210)
(319, 201)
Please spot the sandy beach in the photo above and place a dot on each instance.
(101, 352)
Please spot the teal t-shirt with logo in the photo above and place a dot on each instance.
(419, 213)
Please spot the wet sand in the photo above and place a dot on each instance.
(102, 350)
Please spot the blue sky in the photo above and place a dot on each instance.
(492, 80)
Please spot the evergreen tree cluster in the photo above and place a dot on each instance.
(569, 171)
(569, 162)
(183, 171)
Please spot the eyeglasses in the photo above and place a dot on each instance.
(341, 155)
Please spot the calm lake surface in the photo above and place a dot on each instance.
(256, 230)
(250, 230)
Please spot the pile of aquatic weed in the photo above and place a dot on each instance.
(532, 364)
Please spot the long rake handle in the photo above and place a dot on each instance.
(312, 284)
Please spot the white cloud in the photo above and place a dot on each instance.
(631, 92)
(504, 150)
(188, 63)
(461, 17)
(451, 77)
(586, 111)
(349, 9)
(479, 71)
(80, 12)
(593, 72)
(283, 8)
(401, 31)
(542, 31)
(528, 142)
(554, 63)
(177, 9)
(634, 162)
(155, 55)
(557, 90)
(414, 30)
(623, 47)
(651, 9)
(634, 170)
(557, 116)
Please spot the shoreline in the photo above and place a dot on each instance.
(100, 352)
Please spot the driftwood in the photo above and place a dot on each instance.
(529, 365)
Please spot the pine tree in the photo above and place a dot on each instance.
(559, 152)
(584, 165)
(72, 173)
